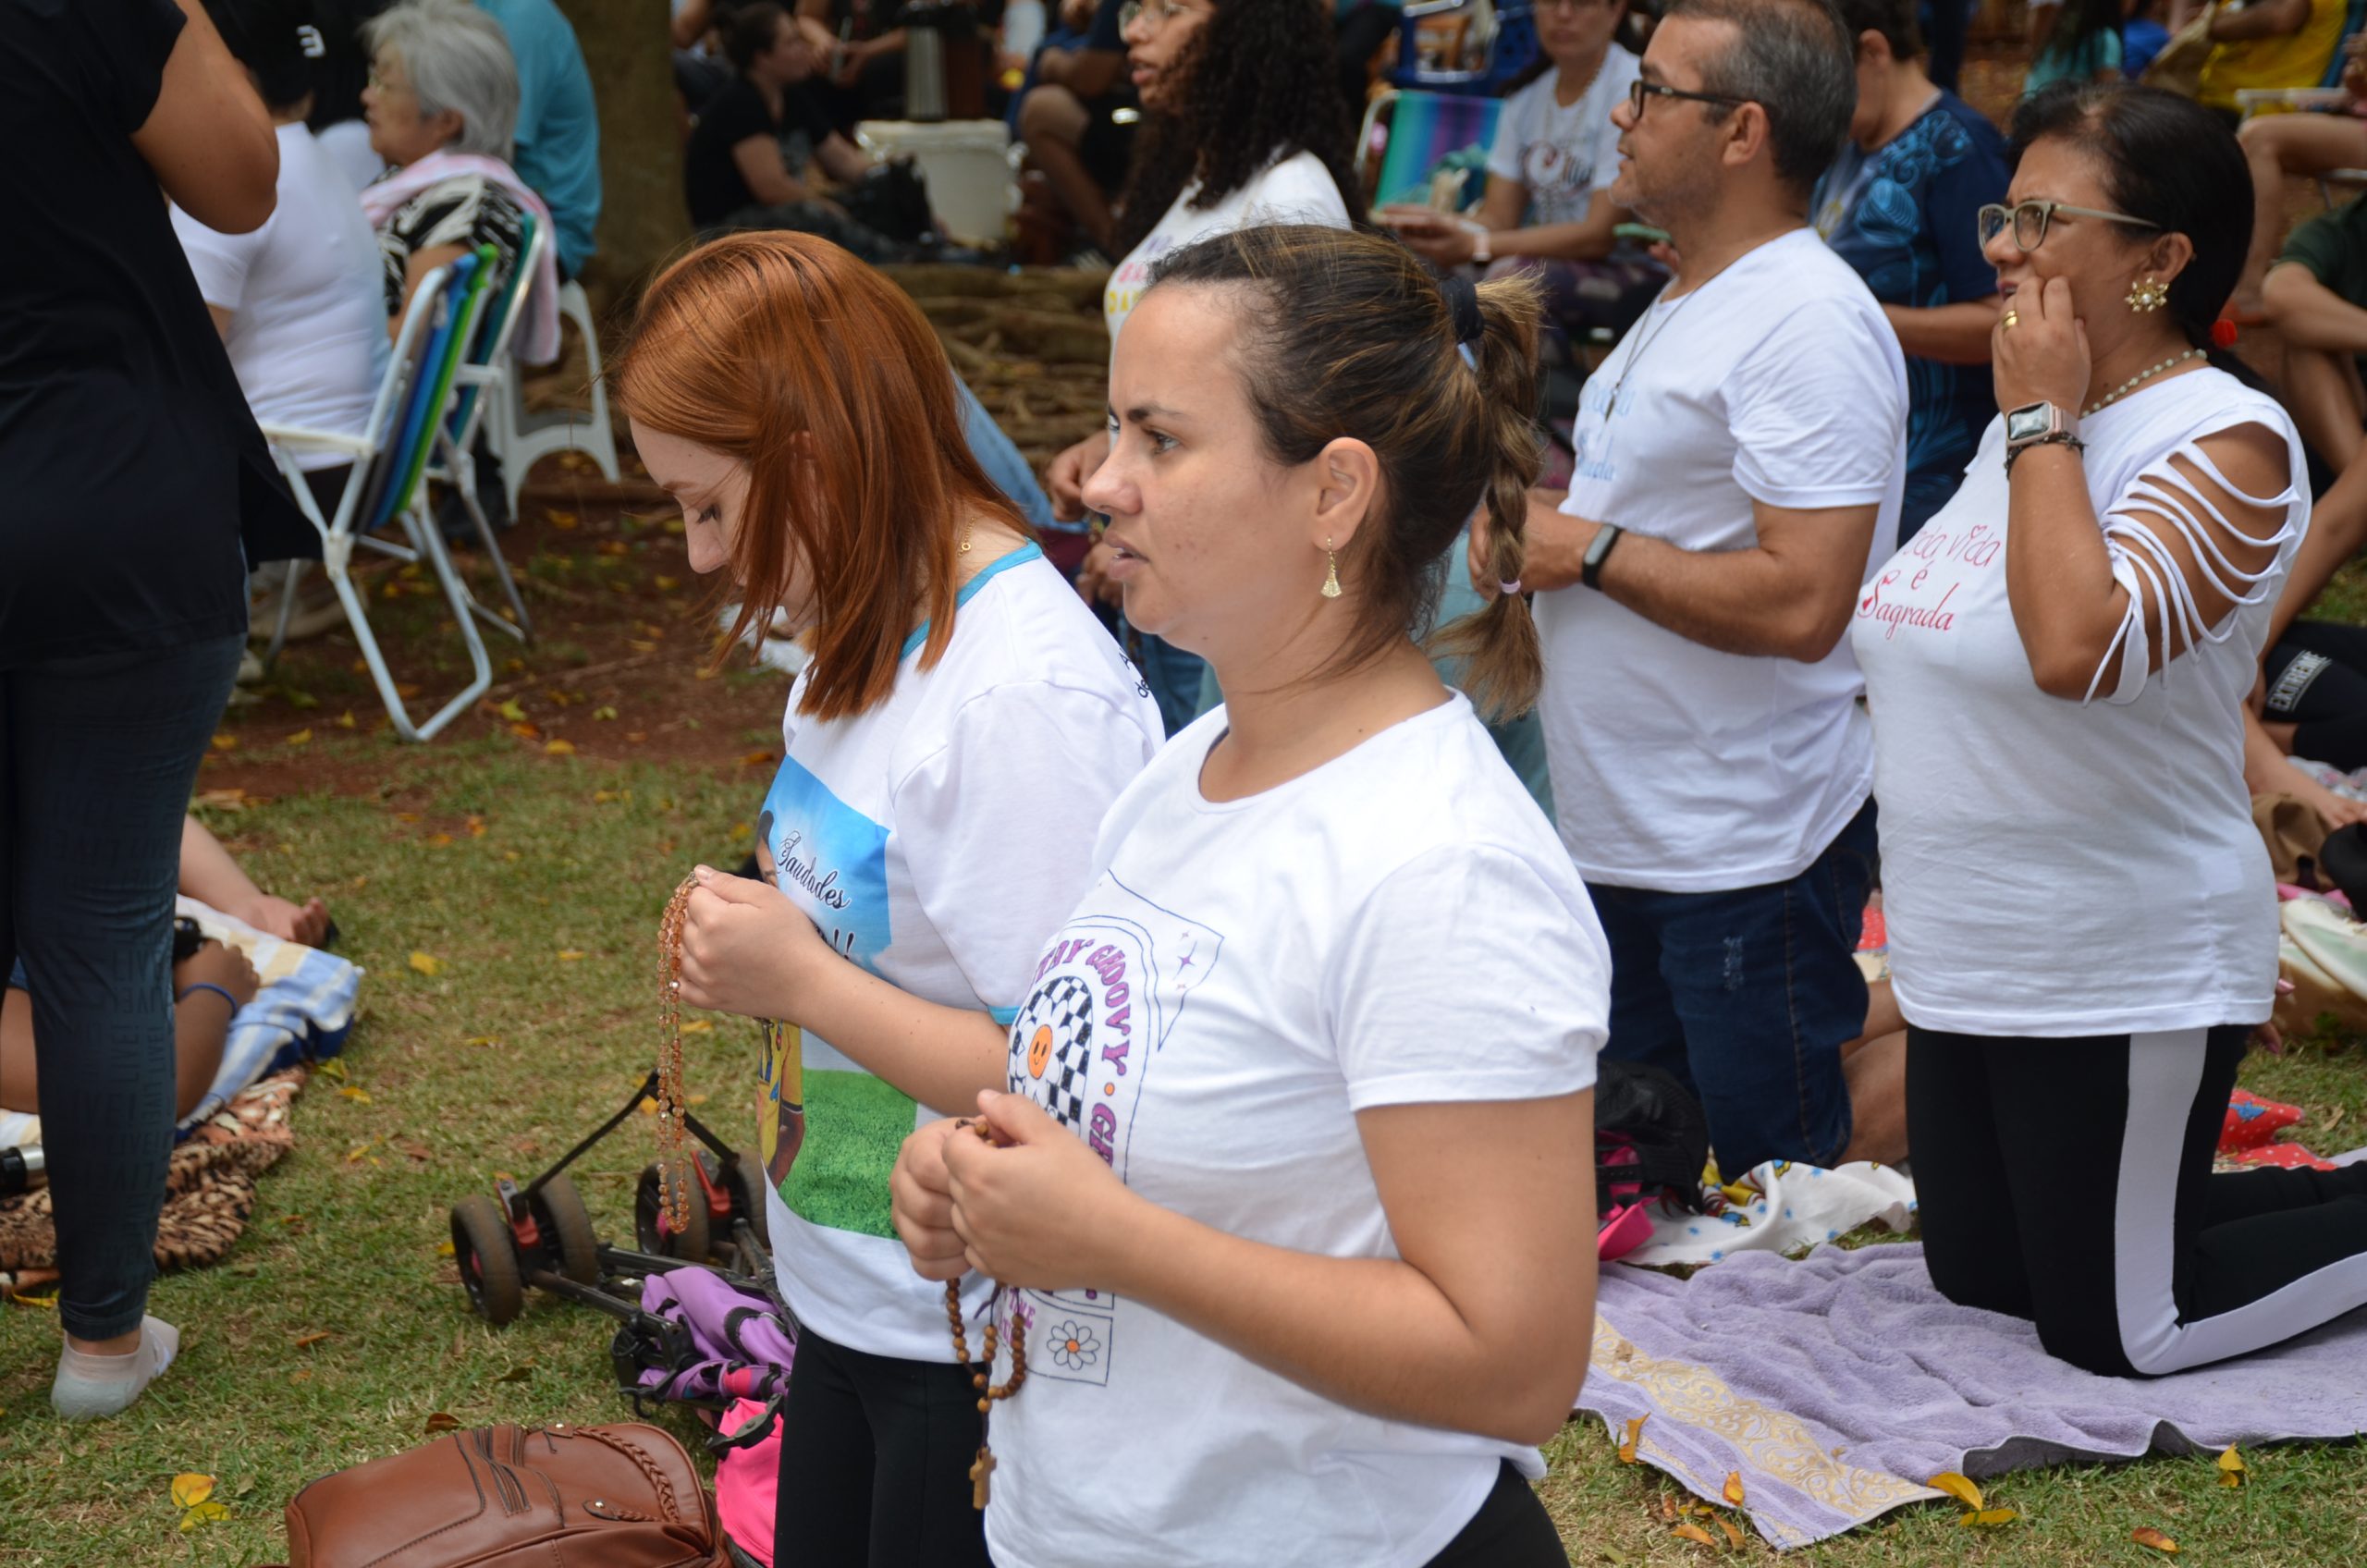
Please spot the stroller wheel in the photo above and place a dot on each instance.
(567, 1227)
(743, 1179)
(654, 1232)
(488, 1256)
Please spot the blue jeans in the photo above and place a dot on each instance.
(1003, 462)
(1747, 998)
(97, 758)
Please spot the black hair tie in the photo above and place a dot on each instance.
(1462, 298)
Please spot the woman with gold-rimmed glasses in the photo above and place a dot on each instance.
(2080, 911)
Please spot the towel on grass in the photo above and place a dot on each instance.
(1838, 1384)
(303, 1012)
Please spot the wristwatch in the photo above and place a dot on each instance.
(1591, 564)
(2039, 424)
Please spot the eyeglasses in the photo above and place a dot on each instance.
(1161, 12)
(1639, 91)
(2032, 220)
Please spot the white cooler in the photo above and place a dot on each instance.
(967, 165)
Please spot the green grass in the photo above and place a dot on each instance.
(579, 857)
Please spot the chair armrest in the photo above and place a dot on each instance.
(316, 440)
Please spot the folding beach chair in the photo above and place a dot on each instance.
(480, 381)
(1424, 141)
(385, 486)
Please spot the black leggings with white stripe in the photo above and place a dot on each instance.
(2068, 1182)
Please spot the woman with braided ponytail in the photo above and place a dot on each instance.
(1292, 1179)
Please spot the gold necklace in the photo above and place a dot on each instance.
(2135, 381)
(988, 1391)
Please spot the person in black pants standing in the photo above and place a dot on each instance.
(133, 469)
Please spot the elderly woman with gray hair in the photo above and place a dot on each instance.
(442, 107)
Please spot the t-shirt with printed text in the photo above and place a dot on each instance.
(1677, 766)
(936, 840)
(1563, 155)
(1394, 928)
(2061, 868)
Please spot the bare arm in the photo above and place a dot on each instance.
(2308, 315)
(766, 172)
(2070, 612)
(221, 319)
(2262, 19)
(417, 266)
(208, 138)
(211, 877)
(1953, 335)
(1586, 240)
(1789, 596)
(1481, 1324)
(1088, 73)
(841, 159)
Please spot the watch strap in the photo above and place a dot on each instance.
(2052, 438)
(1590, 565)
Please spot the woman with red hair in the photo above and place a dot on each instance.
(962, 722)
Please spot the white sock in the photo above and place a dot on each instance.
(91, 1386)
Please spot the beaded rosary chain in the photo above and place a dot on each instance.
(674, 1178)
(988, 1391)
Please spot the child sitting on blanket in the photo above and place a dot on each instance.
(209, 983)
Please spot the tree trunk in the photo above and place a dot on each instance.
(629, 52)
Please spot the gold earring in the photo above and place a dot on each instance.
(1331, 572)
(2147, 294)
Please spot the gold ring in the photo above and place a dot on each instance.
(2013, 319)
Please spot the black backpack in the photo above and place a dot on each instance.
(1650, 1139)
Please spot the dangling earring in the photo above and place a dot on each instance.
(1331, 572)
(2147, 294)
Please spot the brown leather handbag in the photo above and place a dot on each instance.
(503, 1497)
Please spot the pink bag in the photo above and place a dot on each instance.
(747, 1484)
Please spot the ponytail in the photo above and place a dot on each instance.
(1504, 665)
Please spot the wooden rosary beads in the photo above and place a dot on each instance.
(988, 1391)
(674, 1178)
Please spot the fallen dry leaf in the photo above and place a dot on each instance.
(1734, 1537)
(225, 742)
(330, 1067)
(568, 955)
(1692, 1532)
(476, 827)
(306, 1342)
(439, 840)
(1733, 1489)
(445, 1249)
(355, 1093)
(517, 1374)
(757, 759)
(2145, 1535)
(2233, 1472)
(345, 720)
(511, 711)
(207, 1512)
(482, 1041)
(442, 1421)
(702, 1026)
(1989, 1518)
(427, 963)
(667, 584)
(603, 712)
(301, 738)
(560, 749)
(189, 1488)
(560, 519)
(1627, 1440)
(528, 732)
(1959, 1487)
(1668, 1506)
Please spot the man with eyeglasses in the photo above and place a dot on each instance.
(1737, 456)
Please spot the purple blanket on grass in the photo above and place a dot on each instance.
(1836, 1385)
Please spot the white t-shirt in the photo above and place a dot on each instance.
(1676, 767)
(1397, 927)
(937, 839)
(2052, 867)
(1296, 189)
(1561, 157)
(308, 319)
